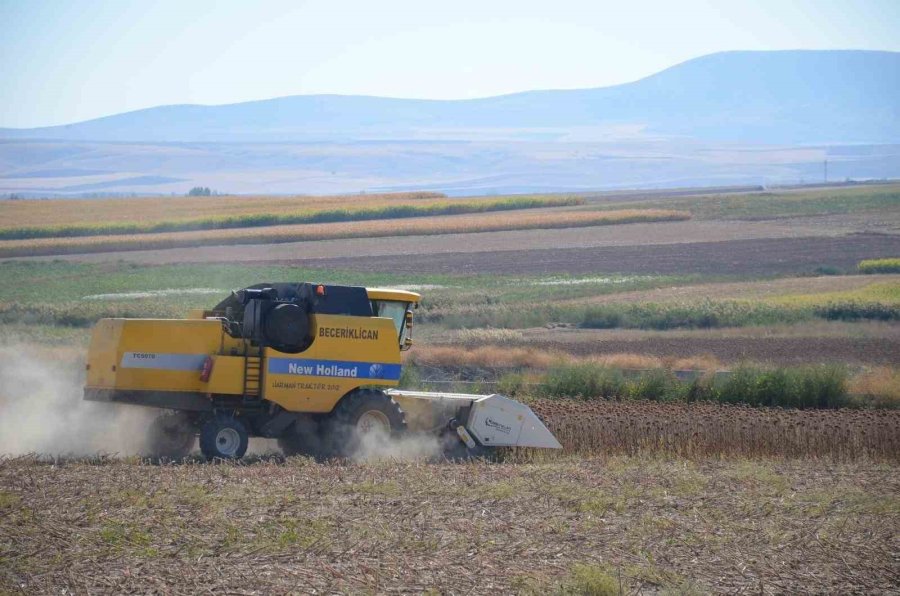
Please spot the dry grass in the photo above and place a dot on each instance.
(880, 385)
(88, 211)
(486, 222)
(705, 429)
(503, 356)
(655, 525)
(483, 357)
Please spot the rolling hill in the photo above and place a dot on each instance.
(766, 97)
(727, 118)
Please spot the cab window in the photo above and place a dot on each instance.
(394, 310)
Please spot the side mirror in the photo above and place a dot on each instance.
(407, 342)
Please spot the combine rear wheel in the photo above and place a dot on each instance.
(171, 436)
(223, 437)
(365, 419)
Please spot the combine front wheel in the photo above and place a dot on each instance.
(365, 419)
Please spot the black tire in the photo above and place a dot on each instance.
(344, 428)
(223, 437)
(302, 438)
(171, 436)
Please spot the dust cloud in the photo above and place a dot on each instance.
(378, 446)
(42, 411)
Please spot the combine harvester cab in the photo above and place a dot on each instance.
(314, 366)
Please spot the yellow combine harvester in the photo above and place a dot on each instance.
(311, 365)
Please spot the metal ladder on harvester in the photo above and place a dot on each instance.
(252, 377)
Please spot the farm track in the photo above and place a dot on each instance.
(704, 525)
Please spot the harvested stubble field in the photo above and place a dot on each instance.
(491, 221)
(642, 524)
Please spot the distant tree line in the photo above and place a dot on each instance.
(201, 191)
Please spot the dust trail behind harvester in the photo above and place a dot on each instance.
(377, 446)
(41, 410)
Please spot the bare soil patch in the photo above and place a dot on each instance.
(706, 525)
(771, 256)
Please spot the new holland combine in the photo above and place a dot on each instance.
(314, 366)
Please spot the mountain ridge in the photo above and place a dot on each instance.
(787, 96)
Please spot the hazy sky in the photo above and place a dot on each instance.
(65, 61)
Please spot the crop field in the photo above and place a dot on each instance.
(723, 372)
(596, 525)
(62, 212)
(880, 266)
(853, 344)
(514, 217)
(705, 429)
(262, 219)
(788, 204)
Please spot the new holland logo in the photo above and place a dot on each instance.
(490, 422)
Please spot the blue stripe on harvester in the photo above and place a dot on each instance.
(334, 368)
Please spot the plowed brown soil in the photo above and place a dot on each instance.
(771, 256)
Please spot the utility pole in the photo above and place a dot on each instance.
(826, 171)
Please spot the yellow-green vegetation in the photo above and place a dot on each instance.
(795, 387)
(887, 293)
(592, 580)
(703, 314)
(520, 218)
(880, 266)
(788, 203)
